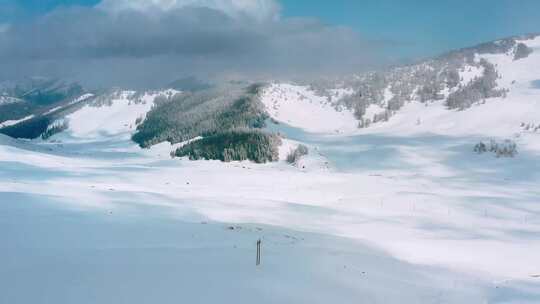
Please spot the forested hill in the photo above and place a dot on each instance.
(460, 78)
(228, 118)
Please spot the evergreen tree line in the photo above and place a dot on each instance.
(228, 118)
(55, 128)
(42, 125)
(478, 89)
(205, 113)
(234, 145)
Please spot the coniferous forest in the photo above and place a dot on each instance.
(229, 119)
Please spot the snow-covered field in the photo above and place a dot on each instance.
(401, 212)
(416, 219)
(300, 106)
(118, 118)
(405, 224)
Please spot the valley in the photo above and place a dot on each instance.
(397, 210)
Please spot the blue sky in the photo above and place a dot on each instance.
(11, 9)
(335, 37)
(426, 26)
(417, 27)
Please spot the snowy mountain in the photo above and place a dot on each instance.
(114, 113)
(37, 93)
(84, 114)
(28, 107)
(43, 91)
(414, 185)
(488, 89)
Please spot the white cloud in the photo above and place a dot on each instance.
(260, 10)
(142, 43)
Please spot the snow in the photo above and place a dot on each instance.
(413, 219)
(517, 74)
(53, 110)
(55, 124)
(373, 110)
(8, 100)
(337, 94)
(14, 122)
(300, 107)
(82, 98)
(168, 92)
(117, 118)
(165, 149)
(147, 258)
(388, 95)
(468, 73)
(76, 100)
(400, 212)
(498, 117)
(286, 148)
(409, 197)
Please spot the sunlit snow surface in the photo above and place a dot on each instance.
(401, 212)
(415, 219)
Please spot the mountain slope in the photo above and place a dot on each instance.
(488, 89)
(35, 96)
(29, 107)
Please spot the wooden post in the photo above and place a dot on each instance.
(258, 261)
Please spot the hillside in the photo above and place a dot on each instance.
(34, 96)
(490, 89)
(487, 89)
(228, 119)
(227, 113)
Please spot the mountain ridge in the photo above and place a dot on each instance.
(459, 80)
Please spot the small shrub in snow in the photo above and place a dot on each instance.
(480, 148)
(530, 127)
(522, 51)
(506, 148)
(295, 155)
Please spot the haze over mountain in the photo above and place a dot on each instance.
(147, 44)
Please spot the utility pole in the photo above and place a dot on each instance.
(258, 261)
